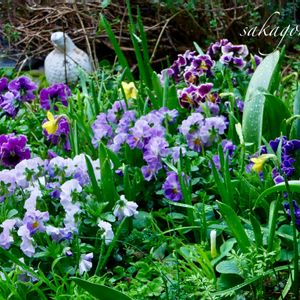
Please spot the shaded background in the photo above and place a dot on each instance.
(171, 27)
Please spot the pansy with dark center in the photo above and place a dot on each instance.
(58, 92)
(25, 88)
(13, 149)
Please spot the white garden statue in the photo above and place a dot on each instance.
(63, 64)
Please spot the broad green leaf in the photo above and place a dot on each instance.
(255, 99)
(228, 267)
(275, 111)
(235, 226)
(99, 291)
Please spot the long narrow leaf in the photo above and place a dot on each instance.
(235, 226)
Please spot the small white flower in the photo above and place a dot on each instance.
(85, 263)
(125, 208)
(108, 234)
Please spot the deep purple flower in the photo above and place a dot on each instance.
(171, 186)
(25, 87)
(296, 212)
(13, 149)
(58, 92)
(61, 135)
(8, 103)
(3, 86)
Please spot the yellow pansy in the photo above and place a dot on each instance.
(258, 162)
(129, 90)
(51, 126)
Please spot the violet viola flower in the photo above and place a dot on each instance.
(253, 64)
(3, 85)
(227, 146)
(13, 149)
(34, 221)
(296, 212)
(61, 135)
(58, 92)
(101, 129)
(171, 186)
(25, 88)
(115, 113)
(27, 241)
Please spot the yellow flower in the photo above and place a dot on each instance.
(258, 162)
(51, 126)
(129, 90)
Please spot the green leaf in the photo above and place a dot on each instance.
(255, 99)
(275, 111)
(257, 231)
(293, 184)
(228, 267)
(235, 226)
(297, 112)
(121, 57)
(96, 188)
(99, 291)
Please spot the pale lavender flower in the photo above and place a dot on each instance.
(34, 221)
(27, 241)
(6, 238)
(125, 208)
(108, 233)
(85, 263)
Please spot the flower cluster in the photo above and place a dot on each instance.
(202, 132)
(13, 149)
(14, 93)
(58, 92)
(229, 54)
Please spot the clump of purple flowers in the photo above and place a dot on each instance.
(200, 132)
(58, 92)
(229, 54)
(14, 93)
(288, 149)
(296, 212)
(13, 149)
(61, 136)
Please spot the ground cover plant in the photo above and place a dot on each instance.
(182, 184)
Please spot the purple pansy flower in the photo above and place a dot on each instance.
(171, 186)
(25, 88)
(58, 92)
(13, 149)
(61, 135)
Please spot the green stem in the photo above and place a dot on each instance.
(295, 242)
(102, 262)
